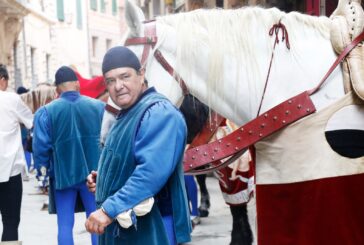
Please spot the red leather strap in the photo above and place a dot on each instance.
(112, 110)
(235, 144)
(210, 128)
(149, 32)
(193, 159)
(164, 63)
(213, 166)
(266, 124)
(150, 40)
(141, 40)
(339, 59)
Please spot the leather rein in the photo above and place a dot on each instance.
(200, 159)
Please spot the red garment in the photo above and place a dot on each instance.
(93, 87)
(238, 191)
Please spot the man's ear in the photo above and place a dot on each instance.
(58, 90)
(142, 74)
(78, 86)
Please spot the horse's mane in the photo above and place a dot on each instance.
(230, 32)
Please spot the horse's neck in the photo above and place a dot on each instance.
(302, 68)
(238, 95)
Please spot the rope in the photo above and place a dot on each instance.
(274, 30)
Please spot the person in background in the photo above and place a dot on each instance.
(24, 135)
(66, 148)
(13, 112)
(141, 162)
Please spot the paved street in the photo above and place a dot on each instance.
(39, 228)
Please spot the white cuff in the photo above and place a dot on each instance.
(125, 218)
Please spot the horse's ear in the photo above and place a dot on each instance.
(134, 17)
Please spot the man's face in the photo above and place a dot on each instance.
(125, 85)
(3, 83)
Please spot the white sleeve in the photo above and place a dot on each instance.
(24, 114)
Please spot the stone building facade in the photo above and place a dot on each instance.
(38, 36)
(154, 8)
(11, 23)
(105, 27)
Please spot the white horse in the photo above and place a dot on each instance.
(223, 57)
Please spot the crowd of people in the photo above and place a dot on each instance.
(135, 190)
(131, 185)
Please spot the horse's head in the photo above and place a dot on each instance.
(224, 57)
(144, 39)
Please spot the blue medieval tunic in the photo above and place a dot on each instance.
(66, 141)
(142, 158)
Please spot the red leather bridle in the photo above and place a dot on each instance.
(235, 144)
(264, 125)
(149, 41)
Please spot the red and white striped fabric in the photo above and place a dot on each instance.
(236, 180)
(306, 193)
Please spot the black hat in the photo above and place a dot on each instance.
(4, 72)
(22, 90)
(118, 57)
(65, 74)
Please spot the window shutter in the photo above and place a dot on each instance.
(79, 14)
(114, 7)
(102, 6)
(93, 4)
(60, 10)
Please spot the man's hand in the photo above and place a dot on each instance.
(91, 181)
(97, 222)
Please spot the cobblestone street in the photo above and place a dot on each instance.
(39, 228)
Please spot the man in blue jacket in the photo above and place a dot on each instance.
(141, 160)
(66, 148)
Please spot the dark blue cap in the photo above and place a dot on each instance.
(118, 57)
(22, 90)
(65, 74)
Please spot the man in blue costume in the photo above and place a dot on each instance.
(66, 148)
(142, 159)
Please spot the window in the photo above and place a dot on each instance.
(114, 7)
(292, 5)
(60, 10)
(94, 46)
(220, 3)
(330, 6)
(102, 6)
(108, 44)
(79, 14)
(93, 4)
(41, 2)
(48, 60)
(17, 70)
(156, 8)
(32, 67)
